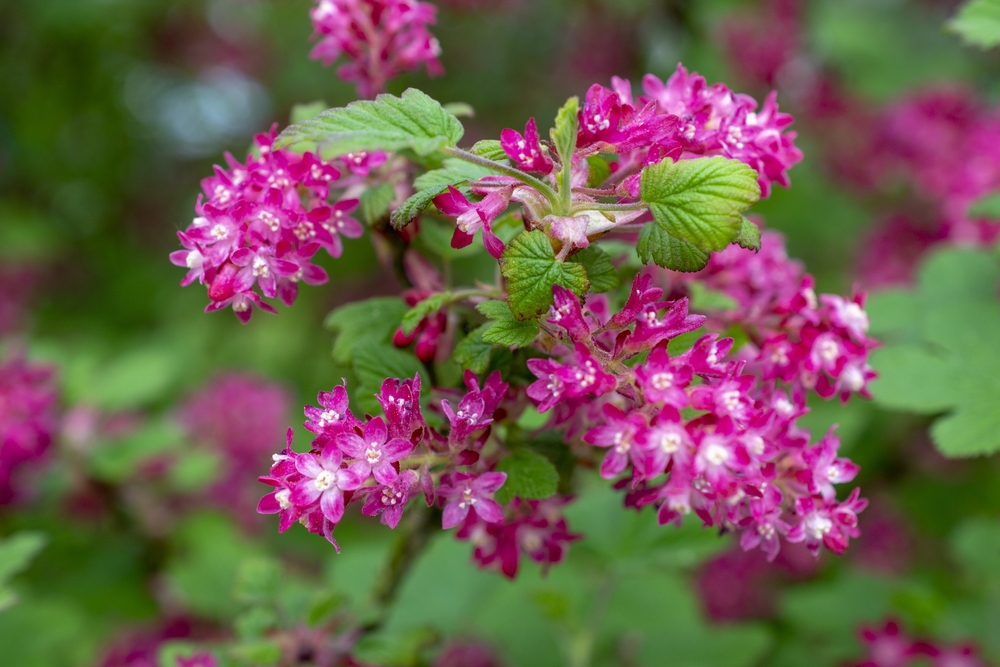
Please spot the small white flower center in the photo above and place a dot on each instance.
(662, 381)
(283, 496)
(324, 480)
(373, 454)
(716, 454)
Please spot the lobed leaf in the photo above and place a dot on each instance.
(530, 476)
(413, 121)
(978, 23)
(749, 236)
(504, 328)
(489, 149)
(370, 320)
(696, 206)
(600, 271)
(473, 353)
(530, 268)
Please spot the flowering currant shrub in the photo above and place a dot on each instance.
(490, 394)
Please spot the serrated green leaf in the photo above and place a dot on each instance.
(452, 172)
(303, 112)
(460, 109)
(986, 207)
(372, 320)
(473, 352)
(414, 121)
(432, 183)
(704, 299)
(530, 267)
(489, 149)
(657, 246)
(978, 23)
(698, 201)
(598, 171)
(16, 554)
(600, 271)
(913, 379)
(416, 204)
(375, 202)
(749, 236)
(530, 476)
(503, 328)
(428, 306)
(566, 128)
(973, 429)
(374, 362)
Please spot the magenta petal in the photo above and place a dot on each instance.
(332, 504)
(375, 432)
(489, 482)
(461, 239)
(308, 465)
(351, 444)
(385, 474)
(268, 505)
(493, 244)
(613, 464)
(489, 510)
(396, 449)
(454, 514)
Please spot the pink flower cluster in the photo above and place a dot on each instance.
(27, 419)
(261, 223)
(727, 440)
(683, 118)
(889, 647)
(388, 461)
(808, 342)
(239, 417)
(380, 39)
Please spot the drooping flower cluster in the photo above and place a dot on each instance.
(261, 222)
(388, 461)
(682, 118)
(239, 417)
(808, 342)
(888, 646)
(727, 440)
(380, 39)
(27, 419)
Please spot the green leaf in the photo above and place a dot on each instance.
(530, 476)
(704, 299)
(978, 23)
(986, 207)
(135, 378)
(195, 470)
(598, 171)
(375, 202)
(503, 328)
(374, 362)
(973, 429)
(460, 109)
(473, 352)
(698, 201)
(489, 149)
(749, 236)
(16, 553)
(530, 268)
(303, 112)
(427, 307)
(658, 246)
(322, 607)
(388, 123)
(119, 460)
(566, 128)
(913, 379)
(600, 271)
(257, 581)
(373, 320)
(452, 172)
(432, 183)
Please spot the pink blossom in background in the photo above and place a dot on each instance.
(890, 646)
(380, 39)
(240, 418)
(27, 421)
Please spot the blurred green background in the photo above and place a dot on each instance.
(112, 111)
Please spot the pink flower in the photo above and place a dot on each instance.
(27, 420)
(619, 434)
(374, 452)
(526, 151)
(389, 499)
(473, 217)
(379, 38)
(323, 481)
(664, 381)
(467, 491)
(333, 416)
